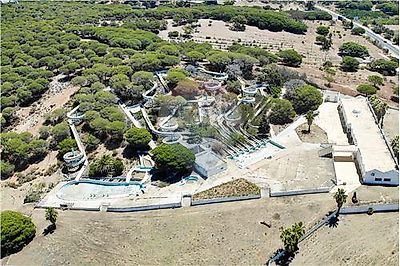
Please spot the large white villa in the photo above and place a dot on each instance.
(372, 155)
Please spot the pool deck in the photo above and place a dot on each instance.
(52, 200)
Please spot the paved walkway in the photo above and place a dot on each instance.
(328, 119)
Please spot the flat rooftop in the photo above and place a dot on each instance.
(209, 160)
(373, 149)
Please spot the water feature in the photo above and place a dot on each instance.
(97, 189)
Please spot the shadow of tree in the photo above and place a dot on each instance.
(333, 221)
(282, 258)
(49, 229)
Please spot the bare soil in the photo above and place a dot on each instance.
(391, 123)
(31, 118)
(221, 37)
(316, 134)
(357, 240)
(219, 234)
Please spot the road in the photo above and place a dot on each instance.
(384, 43)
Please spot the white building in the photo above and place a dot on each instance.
(207, 162)
(372, 156)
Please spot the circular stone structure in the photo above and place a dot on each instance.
(248, 99)
(73, 160)
(76, 117)
(169, 126)
(212, 86)
(250, 90)
(173, 139)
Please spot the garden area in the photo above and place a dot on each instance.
(236, 188)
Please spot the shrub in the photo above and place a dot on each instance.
(366, 89)
(376, 80)
(32, 196)
(290, 57)
(187, 88)
(6, 169)
(349, 64)
(173, 34)
(385, 67)
(175, 75)
(370, 211)
(353, 49)
(282, 111)
(395, 146)
(322, 30)
(16, 232)
(358, 31)
(65, 146)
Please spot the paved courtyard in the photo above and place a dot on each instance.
(296, 168)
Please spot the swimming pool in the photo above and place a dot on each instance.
(97, 189)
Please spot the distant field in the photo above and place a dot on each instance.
(219, 35)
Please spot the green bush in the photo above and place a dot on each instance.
(385, 67)
(353, 49)
(370, 211)
(65, 146)
(282, 112)
(349, 64)
(358, 31)
(323, 30)
(6, 169)
(290, 57)
(366, 89)
(16, 232)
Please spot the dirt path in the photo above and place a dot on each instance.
(32, 118)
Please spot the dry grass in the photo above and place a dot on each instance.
(235, 188)
(316, 134)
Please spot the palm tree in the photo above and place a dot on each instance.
(340, 196)
(291, 236)
(310, 119)
(382, 108)
(51, 215)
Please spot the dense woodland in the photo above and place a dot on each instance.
(96, 46)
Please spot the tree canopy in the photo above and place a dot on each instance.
(16, 231)
(366, 89)
(385, 67)
(305, 98)
(138, 138)
(290, 57)
(353, 49)
(106, 165)
(173, 160)
(282, 111)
